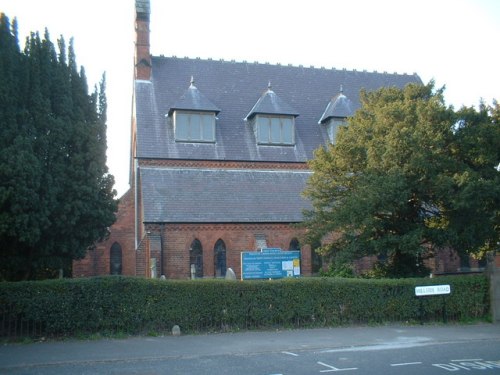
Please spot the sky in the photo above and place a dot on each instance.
(453, 42)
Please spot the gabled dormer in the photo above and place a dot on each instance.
(273, 120)
(336, 113)
(194, 116)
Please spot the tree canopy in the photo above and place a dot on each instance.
(56, 195)
(406, 176)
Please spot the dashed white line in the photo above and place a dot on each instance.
(466, 360)
(290, 353)
(405, 364)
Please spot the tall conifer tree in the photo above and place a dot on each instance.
(56, 195)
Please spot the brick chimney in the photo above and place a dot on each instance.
(142, 53)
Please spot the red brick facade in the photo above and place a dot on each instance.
(176, 240)
(169, 244)
(97, 261)
(219, 164)
(142, 50)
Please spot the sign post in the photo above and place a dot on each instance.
(432, 290)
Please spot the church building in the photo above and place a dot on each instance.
(219, 153)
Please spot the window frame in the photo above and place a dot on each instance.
(332, 128)
(259, 123)
(220, 259)
(196, 258)
(115, 259)
(190, 124)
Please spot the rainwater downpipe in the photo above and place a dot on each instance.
(162, 230)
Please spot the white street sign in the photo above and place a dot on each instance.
(432, 290)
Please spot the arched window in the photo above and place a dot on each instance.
(294, 244)
(196, 258)
(220, 258)
(115, 259)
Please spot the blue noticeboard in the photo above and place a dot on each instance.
(270, 264)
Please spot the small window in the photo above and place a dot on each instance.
(294, 244)
(196, 259)
(220, 258)
(333, 128)
(276, 130)
(115, 259)
(194, 126)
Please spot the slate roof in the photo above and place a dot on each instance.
(194, 100)
(271, 104)
(174, 195)
(234, 91)
(234, 88)
(339, 107)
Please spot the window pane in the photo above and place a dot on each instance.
(196, 258)
(333, 128)
(294, 244)
(263, 130)
(208, 127)
(115, 259)
(287, 131)
(195, 129)
(275, 130)
(181, 126)
(220, 258)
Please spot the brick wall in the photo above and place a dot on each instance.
(177, 240)
(97, 262)
(142, 47)
(444, 260)
(218, 164)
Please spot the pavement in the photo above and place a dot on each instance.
(186, 346)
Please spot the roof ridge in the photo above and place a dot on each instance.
(280, 64)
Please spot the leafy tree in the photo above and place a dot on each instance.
(56, 196)
(404, 178)
(474, 205)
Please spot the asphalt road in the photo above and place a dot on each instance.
(355, 350)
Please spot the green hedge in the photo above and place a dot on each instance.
(136, 305)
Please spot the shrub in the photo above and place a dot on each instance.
(136, 305)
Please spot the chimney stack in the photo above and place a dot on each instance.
(142, 53)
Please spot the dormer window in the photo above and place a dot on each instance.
(273, 120)
(336, 113)
(194, 117)
(194, 126)
(278, 130)
(332, 127)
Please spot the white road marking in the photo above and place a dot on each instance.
(459, 364)
(466, 360)
(405, 364)
(290, 353)
(334, 369)
(398, 343)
